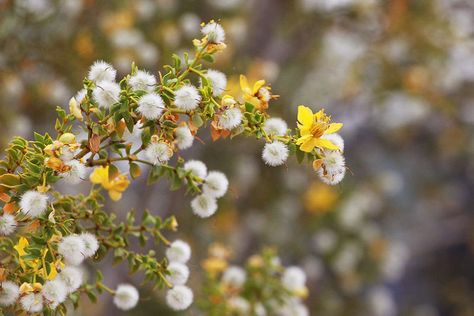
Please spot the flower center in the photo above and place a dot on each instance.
(318, 129)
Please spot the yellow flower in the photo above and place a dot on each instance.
(258, 94)
(312, 127)
(115, 186)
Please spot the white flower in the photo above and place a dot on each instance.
(240, 305)
(91, 244)
(9, 293)
(7, 224)
(214, 31)
(54, 292)
(184, 138)
(197, 168)
(275, 153)
(333, 170)
(204, 205)
(187, 97)
(33, 203)
(106, 94)
(293, 279)
(275, 126)
(72, 248)
(234, 276)
(151, 106)
(32, 303)
(336, 139)
(230, 118)
(179, 273)
(126, 297)
(71, 277)
(142, 80)
(158, 153)
(76, 173)
(101, 71)
(178, 251)
(217, 80)
(179, 297)
(216, 184)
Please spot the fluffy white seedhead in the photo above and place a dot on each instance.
(151, 106)
(126, 297)
(179, 297)
(142, 80)
(216, 184)
(293, 279)
(204, 205)
(336, 139)
(71, 277)
(8, 224)
(179, 273)
(187, 97)
(101, 71)
(214, 31)
(184, 137)
(234, 276)
(198, 168)
(33, 203)
(239, 305)
(275, 153)
(106, 94)
(76, 174)
(275, 126)
(90, 244)
(158, 153)
(218, 81)
(72, 248)
(334, 168)
(230, 118)
(9, 293)
(178, 251)
(54, 292)
(32, 303)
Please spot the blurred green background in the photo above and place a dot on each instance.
(395, 238)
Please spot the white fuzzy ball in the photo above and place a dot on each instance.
(333, 170)
(72, 248)
(32, 303)
(90, 244)
(216, 184)
(151, 106)
(336, 139)
(54, 292)
(197, 168)
(230, 118)
(204, 205)
(179, 298)
(293, 278)
(126, 297)
(33, 203)
(179, 273)
(275, 153)
(187, 97)
(158, 153)
(234, 276)
(101, 71)
(71, 277)
(178, 251)
(214, 31)
(275, 126)
(240, 305)
(76, 173)
(8, 224)
(184, 137)
(142, 80)
(106, 94)
(218, 81)
(9, 293)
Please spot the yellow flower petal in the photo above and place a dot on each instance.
(100, 175)
(333, 127)
(308, 145)
(324, 143)
(244, 85)
(305, 117)
(21, 245)
(257, 86)
(115, 195)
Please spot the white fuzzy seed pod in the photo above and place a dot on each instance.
(72, 248)
(101, 71)
(178, 251)
(9, 293)
(216, 184)
(179, 298)
(275, 153)
(204, 205)
(187, 98)
(151, 106)
(106, 94)
(214, 31)
(8, 224)
(126, 297)
(179, 273)
(33, 203)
